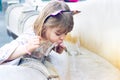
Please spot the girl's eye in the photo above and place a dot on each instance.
(58, 34)
(65, 33)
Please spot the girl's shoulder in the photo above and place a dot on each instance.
(25, 36)
(28, 32)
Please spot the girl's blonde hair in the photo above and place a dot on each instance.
(63, 20)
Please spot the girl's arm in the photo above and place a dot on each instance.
(7, 50)
(31, 44)
(19, 47)
(18, 52)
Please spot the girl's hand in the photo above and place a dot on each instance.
(59, 48)
(33, 43)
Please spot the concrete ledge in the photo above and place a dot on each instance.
(89, 66)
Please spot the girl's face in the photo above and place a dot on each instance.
(55, 35)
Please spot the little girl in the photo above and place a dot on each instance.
(46, 35)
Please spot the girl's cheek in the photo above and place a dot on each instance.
(53, 40)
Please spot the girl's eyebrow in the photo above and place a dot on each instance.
(61, 32)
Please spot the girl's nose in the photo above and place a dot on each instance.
(62, 37)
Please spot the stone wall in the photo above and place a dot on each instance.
(97, 28)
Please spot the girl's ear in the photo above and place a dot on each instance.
(75, 12)
(43, 32)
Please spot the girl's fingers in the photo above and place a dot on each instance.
(36, 41)
(59, 48)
